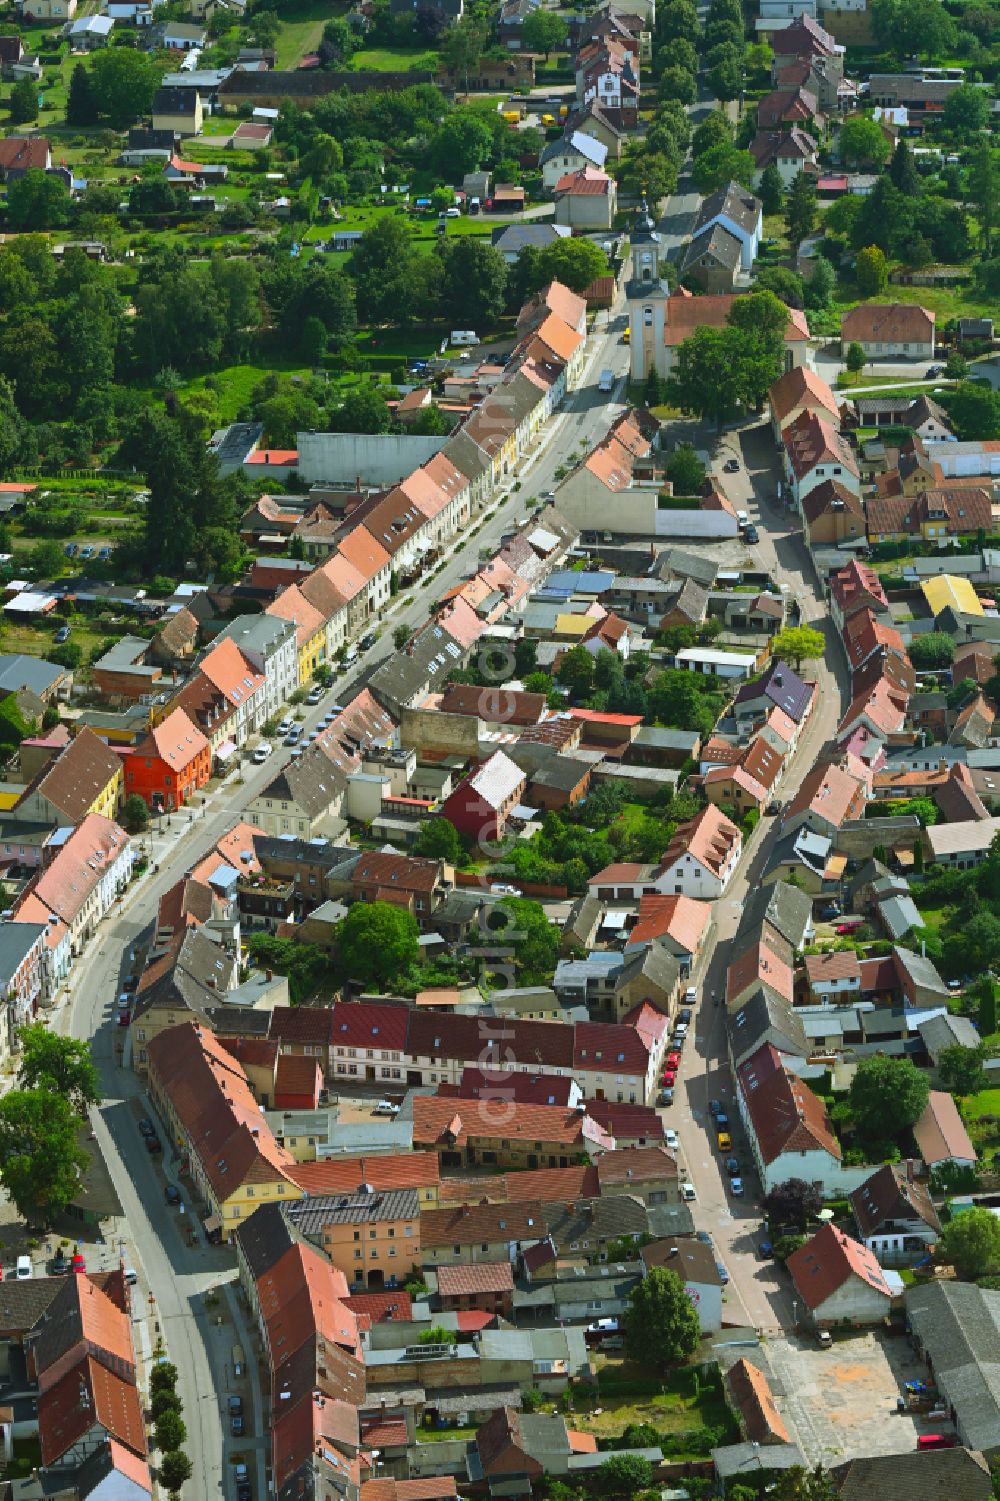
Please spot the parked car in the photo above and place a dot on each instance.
(238, 1424)
(715, 1107)
(733, 1167)
(262, 752)
(723, 1274)
(60, 1263)
(670, 1078)
(680, 1031)
(172, 1194)
(674, 1059)
(731, 466)
(315, 694)
(294, 736)
(684, 1016)
(830, 911)
(24, 1269)
(690, 996)
(368, 640)
(736, 1187)
(671, 1138)
(773, 806)
(79, 1265)
(751, 535)
(86, 552)
(63, 634)
(153, 1145)
(71, 549)
(687, 1193)
(933, 371)
(723, 1141)
(284, 725)
(666, 1096)
(104, 554)
(721, 1119)
(146, 1127)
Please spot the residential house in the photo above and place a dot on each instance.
(170, 765)
(694, 1263)
(372, 1237)
(788, 1129)
(889, 330)
(895, 1215)
(573, 152)
(814, 451)
(89, 868)
(484, 1288)
(299, 798)
(791, 149)
(527, 1136)
(778, 686)
(828, 797)
(801, 390)
(713, 260)
(959, 1473)
(960, 846)
(839, 1280)
(21, 154)
(739, 213)
(269, 644)
(788, 107)
(483, 802)
(310, 630)
(939, 515)
(179, 111)
(832, 514)
(202, 1093)
(586, 199)
(857, 587)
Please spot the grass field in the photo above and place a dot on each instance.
(302, 23)
(681, 1406)
(393, 60)
(985, 1132)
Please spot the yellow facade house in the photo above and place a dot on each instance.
(310, 629)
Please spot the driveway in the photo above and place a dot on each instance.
(841, 1402)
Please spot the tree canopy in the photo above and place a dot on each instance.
(971, 1239)
(40, 1157)
(798, 644)
(60, 1064)
(377, 942)
(886, 1096)
(661, 1322)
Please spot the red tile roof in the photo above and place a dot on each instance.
(822, 1266)
(483, 1277)
(785, 1114)
(65, 1415)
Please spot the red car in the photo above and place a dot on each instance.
(669, 1076)
(848, 925)
(673, 1059)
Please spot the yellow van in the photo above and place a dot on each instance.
(548, 119)
(627, 336)
(512, 116)
(724, 1141)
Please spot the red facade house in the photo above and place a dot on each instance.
(171, 764)
(298, 1083)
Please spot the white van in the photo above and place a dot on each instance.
(463, 336)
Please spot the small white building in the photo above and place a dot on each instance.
(723, 664)
(839, 1281)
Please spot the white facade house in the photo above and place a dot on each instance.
(268, 642)
(839, 1281)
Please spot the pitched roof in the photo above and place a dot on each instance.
(449, 1122)
(798, 387)
(685, 314)
(810, 439)
(78, 775)
(940, 1133)
(709, 837)
(785, 1114)
(890, 1195)
(177, 740)
(888, 323)
(64, 1417)
(753, 1399)
(822, 1266)
(94, 846)
(483, 1277)
(679, 918)
(926, 1475)
(828, 791)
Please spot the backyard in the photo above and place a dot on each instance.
(686, 1402)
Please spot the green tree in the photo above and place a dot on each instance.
(803, 1485)
(913, 27)
(966, 112)
(886, 1096)
(727, 70)
(646, 174)
(136, 814)
(163, 1376)
(464, 143)
(800, 208)
(175, 1469)
(984, 190)
(40, 1158)
(463, 44)
(377, 942)
(534, 939)
(862, 143)
(543, 31)
(621, 1477)
(714, 130)
(685, 470)
(971, 1241)
(60, 1064)
(903, 170)
(721, 164)
(678, 20)
(475, 281)
(975, 411)
(576, 671)
(961, 1069)
(163, 1401)
(38, 200)
(706, 377)
(170, 1431)
(574, 262)
(784, 283)
(798, 644)
(677, 83)
(324, 157)
(855, 359)
(364, 410)
(123, 82)
(871, 271)
(661, 1322)
(956, 366)
(771, 189)
(81, 106)
(23, 102)
(12, 427)
(438, 839)
(934, 650)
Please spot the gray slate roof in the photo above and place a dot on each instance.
(958, 1326)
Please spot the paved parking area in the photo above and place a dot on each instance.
(841, 1402)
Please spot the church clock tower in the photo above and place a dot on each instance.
(647, 297)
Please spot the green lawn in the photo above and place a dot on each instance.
(393, 60)
(984, 1132)
(236, 384)
(302, 23)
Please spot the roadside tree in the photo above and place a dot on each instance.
(798, 644)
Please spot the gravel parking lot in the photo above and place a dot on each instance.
(841, 1402)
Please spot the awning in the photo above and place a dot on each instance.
(226, 749)
(212, 1223)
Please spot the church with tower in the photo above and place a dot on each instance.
(660, 320)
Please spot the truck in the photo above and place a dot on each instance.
(607, 381)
